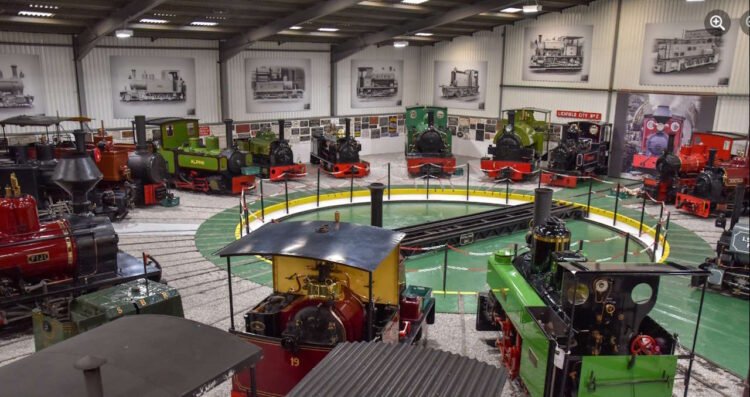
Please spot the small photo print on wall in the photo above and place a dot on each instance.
(155, 86)
(557, 53)
(277, 85)
(377, 83)
(687, 54)
(460, 84)
(21, 85)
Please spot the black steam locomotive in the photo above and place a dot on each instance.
(339, 155)
(47, 262)
(583, 151)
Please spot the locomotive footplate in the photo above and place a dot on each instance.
(348, 170)
(436, 166)
(693, 205)
(282, 172)
(560, 180)
(513, 170)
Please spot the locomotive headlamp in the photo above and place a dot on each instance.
(593, 130)
(508, 128)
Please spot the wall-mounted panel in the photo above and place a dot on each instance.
(482, 46)
(407, 80)
(601, 14)
(733, 114)
(636, 14)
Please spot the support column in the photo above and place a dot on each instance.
(80, 85)
(224, 89)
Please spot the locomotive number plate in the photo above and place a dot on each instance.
(37, 257)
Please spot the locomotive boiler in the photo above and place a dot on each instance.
(273, 155)
(278, 83)
(564, 53)
(170, 87)
(339, 155)
(464, 83)
(42, 261)
(376, 84)
(12, 90)
(583, 151)
(428, 142)
(517, 150)
(344, 283)
(573, 327)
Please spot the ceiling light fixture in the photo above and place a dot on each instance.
(203, 23)
(36, 14)
(295, 27)
(532, 8)
(414, 1)
(511, 10)
(163, 14)
(152, 20)
(328, 29)
(123, 33)
(45, 6)
(423, 34)
(401, 44)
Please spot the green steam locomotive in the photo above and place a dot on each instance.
(518, 145)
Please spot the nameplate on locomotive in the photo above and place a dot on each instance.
(37, 257)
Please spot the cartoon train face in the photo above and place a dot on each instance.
(147, 87)
(12, 90)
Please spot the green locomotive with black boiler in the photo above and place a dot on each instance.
(571, 327)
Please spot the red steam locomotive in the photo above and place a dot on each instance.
(657, 128)
(715, 188)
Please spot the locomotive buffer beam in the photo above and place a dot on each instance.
(467, 229)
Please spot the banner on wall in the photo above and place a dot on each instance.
(277, 85)
(460, 84)
(577, 114)
(686, 53)
(153, 86)
(377, 83)
(644, 123)
(557, 53)
(21, 85)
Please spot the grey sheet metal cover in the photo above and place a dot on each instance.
(359, 246)
(164, 120)
(37, 121)
(147, 356)
(365, 369)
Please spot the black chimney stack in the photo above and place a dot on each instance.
(670, 143)
(228, 128)
(430, 119)
(281, 130)
(711, 157)
(347, 129)
(140, 134)
(512, 118)
(77, 174)
(376, 204)
(542, 205)
(739, 198)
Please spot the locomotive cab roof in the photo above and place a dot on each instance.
(41, 121)
(167, 120)
(649, 269)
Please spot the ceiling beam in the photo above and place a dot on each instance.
(357, 44)
(87, 40)
(237, 44)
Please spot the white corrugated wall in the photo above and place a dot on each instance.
(320, 66)
(98, 82)
(637, 13)
(601, 14)
(482, 46)
(410, 81)
(733, 114)
(56, 59)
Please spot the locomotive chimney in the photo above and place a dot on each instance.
(140, 134)
(281, 130)
(14, 69)
(739, 198)
(711, 157)
(542, 205)
(228, 128)
(77, 174)
(512, 118)
(347, 129)
(670, 143)
(430, 119)
(376, 204)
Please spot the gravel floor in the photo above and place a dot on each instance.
(167, 234)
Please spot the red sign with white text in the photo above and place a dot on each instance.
(204, 130)
(573, 114)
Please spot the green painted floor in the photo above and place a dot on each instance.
(725, 327)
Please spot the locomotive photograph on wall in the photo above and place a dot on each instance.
(460, 84)
(557, 53)
(21, 85)
(376, 83)
(687, 54)
(277, 85)
(152, 85)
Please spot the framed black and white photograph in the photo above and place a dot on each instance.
(687, 54)
(460, 84)
(377, 83)
(277, 85)
(156, 86)
(21, 85)
(557, 53)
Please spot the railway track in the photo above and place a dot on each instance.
(462, 230)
